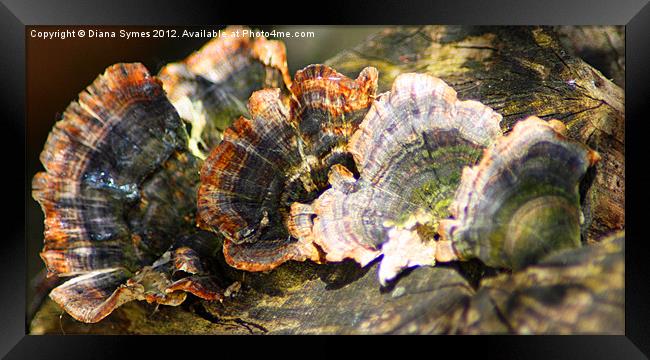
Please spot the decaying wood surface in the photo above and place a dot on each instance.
(602, 47)
(572, 292)
(518, 71)
(578, 291)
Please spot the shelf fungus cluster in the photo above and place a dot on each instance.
(278, 157)
(521, 201)
(115, 198)
(413, 176)
(320, 168)
(210, 87)
(410, 151)
(121, 175)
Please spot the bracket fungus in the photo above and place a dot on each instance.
(395, 178)
(415, 153)
(281, 155)
(209, 88)
(119, 190)
(409, 150)
(522, 200)
(118, 193)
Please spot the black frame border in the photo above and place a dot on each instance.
(16, 14)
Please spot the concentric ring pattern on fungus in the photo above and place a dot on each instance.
(279, 156)
(210, 87)
(522, 200)
(119, 190)
(410, 151)
(415, 153)
(118, 193)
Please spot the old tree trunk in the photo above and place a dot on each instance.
(518, 71)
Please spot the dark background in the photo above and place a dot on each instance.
(58, 70)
